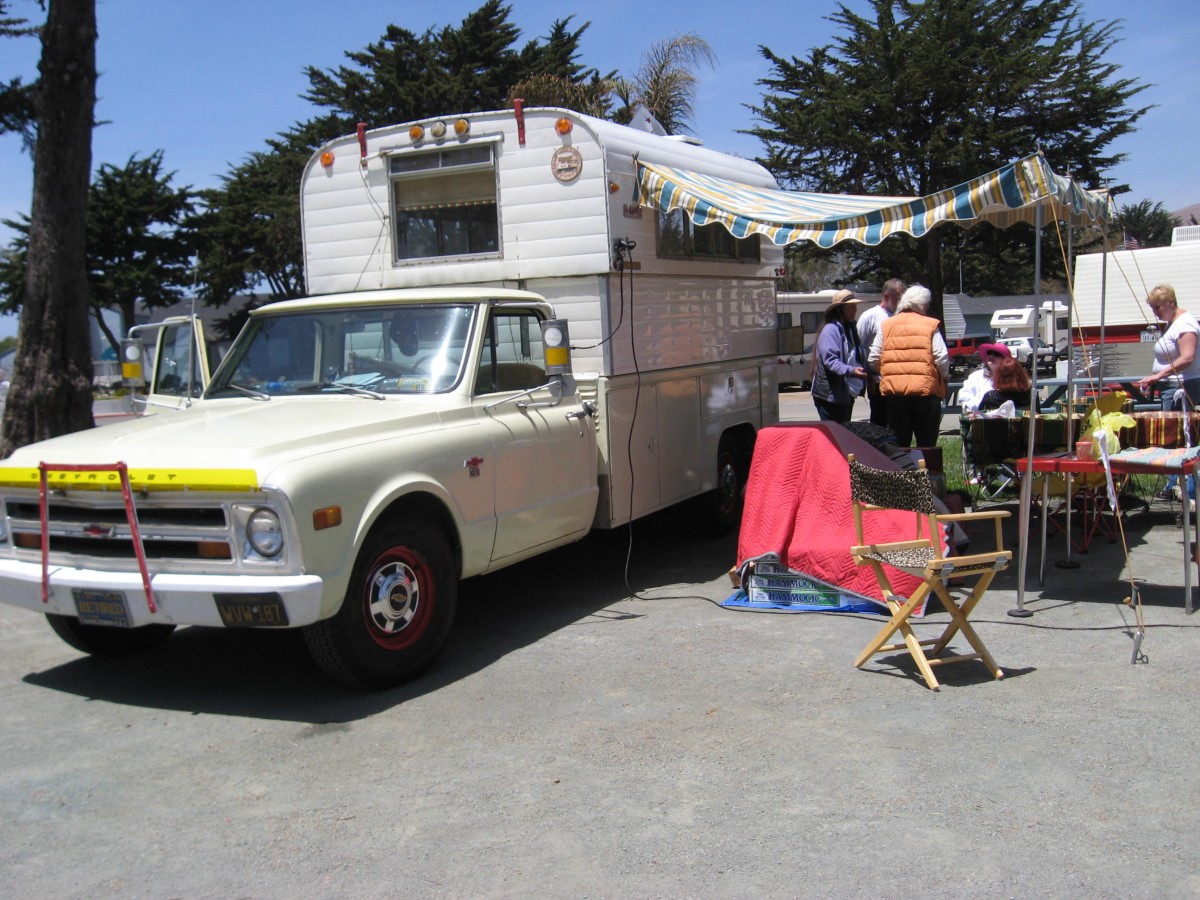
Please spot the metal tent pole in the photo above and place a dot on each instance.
(1027, 475)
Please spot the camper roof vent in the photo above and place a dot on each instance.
(1185, 234)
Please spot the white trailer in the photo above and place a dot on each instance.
(673, 326)
(1111, 289)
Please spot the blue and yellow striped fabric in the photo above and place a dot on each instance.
(1004, 197)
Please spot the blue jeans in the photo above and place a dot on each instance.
(1187, 403)
(1191, 387)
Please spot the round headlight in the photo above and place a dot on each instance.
(264, 532)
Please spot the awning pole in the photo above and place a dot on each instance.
(1027, 475)
(1069, 563)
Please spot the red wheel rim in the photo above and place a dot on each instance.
(398, 598)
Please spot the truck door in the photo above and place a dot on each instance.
(181, 363)
(543, 447)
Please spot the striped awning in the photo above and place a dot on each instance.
(1004, 197)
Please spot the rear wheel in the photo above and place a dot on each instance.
(107, 640)
(397, 611)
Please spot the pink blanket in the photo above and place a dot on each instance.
(798, 507)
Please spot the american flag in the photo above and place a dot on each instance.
(1130, 242)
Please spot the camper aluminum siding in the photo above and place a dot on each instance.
(1130, 276)
(556, 238)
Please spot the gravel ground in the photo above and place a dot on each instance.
(575, 740)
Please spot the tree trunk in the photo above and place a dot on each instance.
(51, 391)
(933, 271)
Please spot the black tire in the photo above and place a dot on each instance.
(723, 505)
(397, 612)
(105, 640)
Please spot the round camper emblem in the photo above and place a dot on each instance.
(566, 164)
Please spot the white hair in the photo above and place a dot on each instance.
(916, 298)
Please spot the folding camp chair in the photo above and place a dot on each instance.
(991, 447)
(921, 554)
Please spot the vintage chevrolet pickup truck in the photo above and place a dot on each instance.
(503, 351)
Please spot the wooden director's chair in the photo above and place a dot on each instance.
(922, 556)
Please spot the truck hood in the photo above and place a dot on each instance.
(238, 433)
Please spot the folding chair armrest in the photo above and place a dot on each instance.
(864, 549)
(994, 514)
(973, 516)
(975, 559)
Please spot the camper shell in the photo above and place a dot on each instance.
(673, 327)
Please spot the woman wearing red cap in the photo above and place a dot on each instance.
(979, 382)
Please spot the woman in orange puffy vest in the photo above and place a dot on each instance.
(914, 365)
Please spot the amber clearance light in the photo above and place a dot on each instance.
(328, 517)
(327, 159)
(563, 126)
(416, 132)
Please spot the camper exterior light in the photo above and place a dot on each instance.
(416, 132)
(563, 126)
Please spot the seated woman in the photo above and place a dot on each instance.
(1010, 381)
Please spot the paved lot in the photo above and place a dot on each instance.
(578, 739)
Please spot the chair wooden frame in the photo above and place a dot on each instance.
(922, 556)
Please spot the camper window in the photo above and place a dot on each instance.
(679, 238)
(444, 204)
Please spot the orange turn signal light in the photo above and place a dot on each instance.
(329, 517)
(213, 550)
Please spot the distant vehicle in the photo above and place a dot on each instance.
(967, 346)
(1022, 349)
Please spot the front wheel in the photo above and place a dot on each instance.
(107, 640)
(397, 611)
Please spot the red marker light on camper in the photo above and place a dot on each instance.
(563, 126)
(416, 133)
(327, 159)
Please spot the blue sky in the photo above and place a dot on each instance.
(207, 82)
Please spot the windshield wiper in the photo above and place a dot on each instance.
(356, 389)
(249, 392)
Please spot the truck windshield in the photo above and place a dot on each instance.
(380, 350)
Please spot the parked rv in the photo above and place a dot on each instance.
(502, 350)
(1035, 332)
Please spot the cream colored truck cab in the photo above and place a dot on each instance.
(353, 457)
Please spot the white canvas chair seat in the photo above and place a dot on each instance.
(922, 555)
